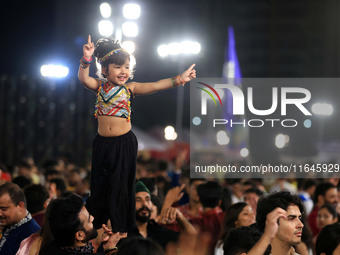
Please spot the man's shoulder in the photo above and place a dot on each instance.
(26, 229)
(33, 224)
(29, 227)
(53, 249)
(16, 236)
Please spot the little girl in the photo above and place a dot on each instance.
(115, 146)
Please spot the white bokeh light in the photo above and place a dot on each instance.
(281, 141)
(244, 152)
(169, 133)
(222, 138)
(323, 109)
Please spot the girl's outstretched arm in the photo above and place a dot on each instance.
(151, 87)
(84, 68)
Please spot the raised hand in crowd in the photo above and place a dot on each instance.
(111, 239)
(172, 214)
(173, 196)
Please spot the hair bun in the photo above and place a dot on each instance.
(104, 46)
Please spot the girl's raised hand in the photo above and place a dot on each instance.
(189, 74)
(88, 48)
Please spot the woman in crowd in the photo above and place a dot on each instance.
(326, 215)
(238, 215)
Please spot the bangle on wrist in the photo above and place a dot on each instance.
(84, 63)
(177, 81)
(87, 60)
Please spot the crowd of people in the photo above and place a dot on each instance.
(43, 211)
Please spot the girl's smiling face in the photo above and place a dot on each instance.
(118, 74)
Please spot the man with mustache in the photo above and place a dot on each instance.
(288, 231)
(149, 228)
(16, 222)
(72, 228)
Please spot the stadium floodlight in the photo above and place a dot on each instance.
(130, 29)
(162, 50)
(105, 28)
(196, 48)
(174, 48)
(190, 47)
(131, 11)
(129, 46)
(54, 71)
(105, 10)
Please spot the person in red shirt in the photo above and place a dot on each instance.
(210, 194)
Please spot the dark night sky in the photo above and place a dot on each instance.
(274, 38)
(293, 38)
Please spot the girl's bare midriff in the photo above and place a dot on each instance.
(110, 126)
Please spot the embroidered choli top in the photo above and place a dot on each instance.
(113, 101)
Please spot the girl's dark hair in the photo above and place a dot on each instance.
(105, 46)
(230, 216)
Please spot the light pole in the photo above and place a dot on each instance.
(175, 49)
(123, 24)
